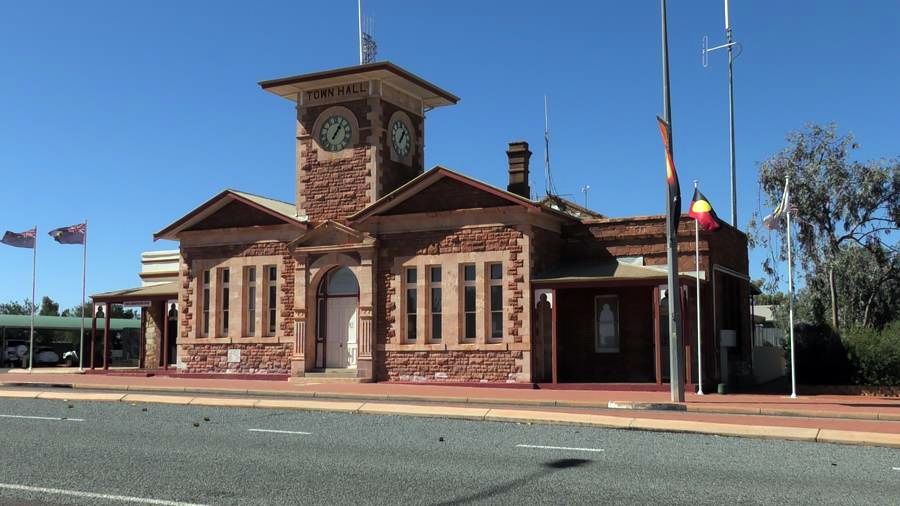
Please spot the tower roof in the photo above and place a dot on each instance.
(431, 95)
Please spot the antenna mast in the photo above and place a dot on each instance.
(548, 181)
(362, 55)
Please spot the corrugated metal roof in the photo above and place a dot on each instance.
(152, 291)
(604, 270)
(64, 322)
(284, 208)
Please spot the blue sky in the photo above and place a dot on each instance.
(129, 114)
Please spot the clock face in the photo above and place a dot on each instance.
(335, 133)
(400, 138)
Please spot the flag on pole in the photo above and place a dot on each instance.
(702, 211)
(69, 235)
(774, 220)
(674, 203)
(20, 240)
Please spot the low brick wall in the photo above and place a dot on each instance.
(864, 390)
(450, 366)
(255, 358)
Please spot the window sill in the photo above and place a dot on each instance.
(237, 340)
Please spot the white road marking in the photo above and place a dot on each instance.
(91, 495)
(281, 431)
(541, 447)
(53, 418)
(896, 468)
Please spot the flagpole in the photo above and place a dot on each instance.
(83, 284)
(676, 377)
(697, 263)
(33, 304)
(787, 210)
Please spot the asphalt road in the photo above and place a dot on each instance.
(170, 454)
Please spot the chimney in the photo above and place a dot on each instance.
(518, 155)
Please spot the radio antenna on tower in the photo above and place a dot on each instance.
(367, 46)
(548, 180)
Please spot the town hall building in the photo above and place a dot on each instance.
(383, 270)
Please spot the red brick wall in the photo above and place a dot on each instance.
(188, 279)
(460, 366)
(255, 358)
(495, 238)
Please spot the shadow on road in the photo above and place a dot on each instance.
(548, 469)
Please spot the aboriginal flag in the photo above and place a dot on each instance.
(702, 211)
(69, 235)
(673, 205)
(20, 240)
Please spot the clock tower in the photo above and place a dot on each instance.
(360, 134)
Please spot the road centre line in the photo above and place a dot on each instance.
(52, 418)
(274, 431)
(542, 447)
(896, 468)
(92, 495)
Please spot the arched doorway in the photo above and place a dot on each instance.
(337, 305)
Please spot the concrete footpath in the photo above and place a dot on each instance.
(836, 419)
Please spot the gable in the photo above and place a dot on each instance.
(330, 235)
(446, 195)
(235, 215)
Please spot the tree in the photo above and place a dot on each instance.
(836, 202)
(49, 307)
(13, 307)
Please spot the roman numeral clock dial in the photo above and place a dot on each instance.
(335, 133)
(400, 138)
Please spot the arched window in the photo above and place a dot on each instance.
(338, 282)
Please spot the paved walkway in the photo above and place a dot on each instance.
(821, 418)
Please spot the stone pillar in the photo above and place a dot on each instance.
(153, 330)
(301, 279)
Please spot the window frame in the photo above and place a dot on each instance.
(224, 309)
(435, 314)
(616, 315)
(250, 278)
(410, 332)
(205, 292)
(270, 305)
(493, 283)
(466, 313)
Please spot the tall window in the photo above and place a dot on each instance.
(469, 292)
(250, 276)
(224, 303)
(435, 288)
(411, 300)
(272, 299)
(606, 324)
(496, 284)
(205, 296)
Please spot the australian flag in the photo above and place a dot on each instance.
(69, 235)
(20, 240)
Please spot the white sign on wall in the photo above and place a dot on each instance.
(234, 356)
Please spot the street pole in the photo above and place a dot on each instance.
(697, 272)
(83, 284)
(787, 210)
(33, 304)
(676, 373)
(728, 41)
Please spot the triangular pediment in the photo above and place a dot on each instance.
(442, 189)
(330, 234)
(233, 209)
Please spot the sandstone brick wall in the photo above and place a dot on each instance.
(468, 240)
(646, 236)
(187, 278)
(449, 366)
(335, 188)
(546, 249)
(255, 358)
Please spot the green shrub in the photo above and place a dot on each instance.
(874, 355)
